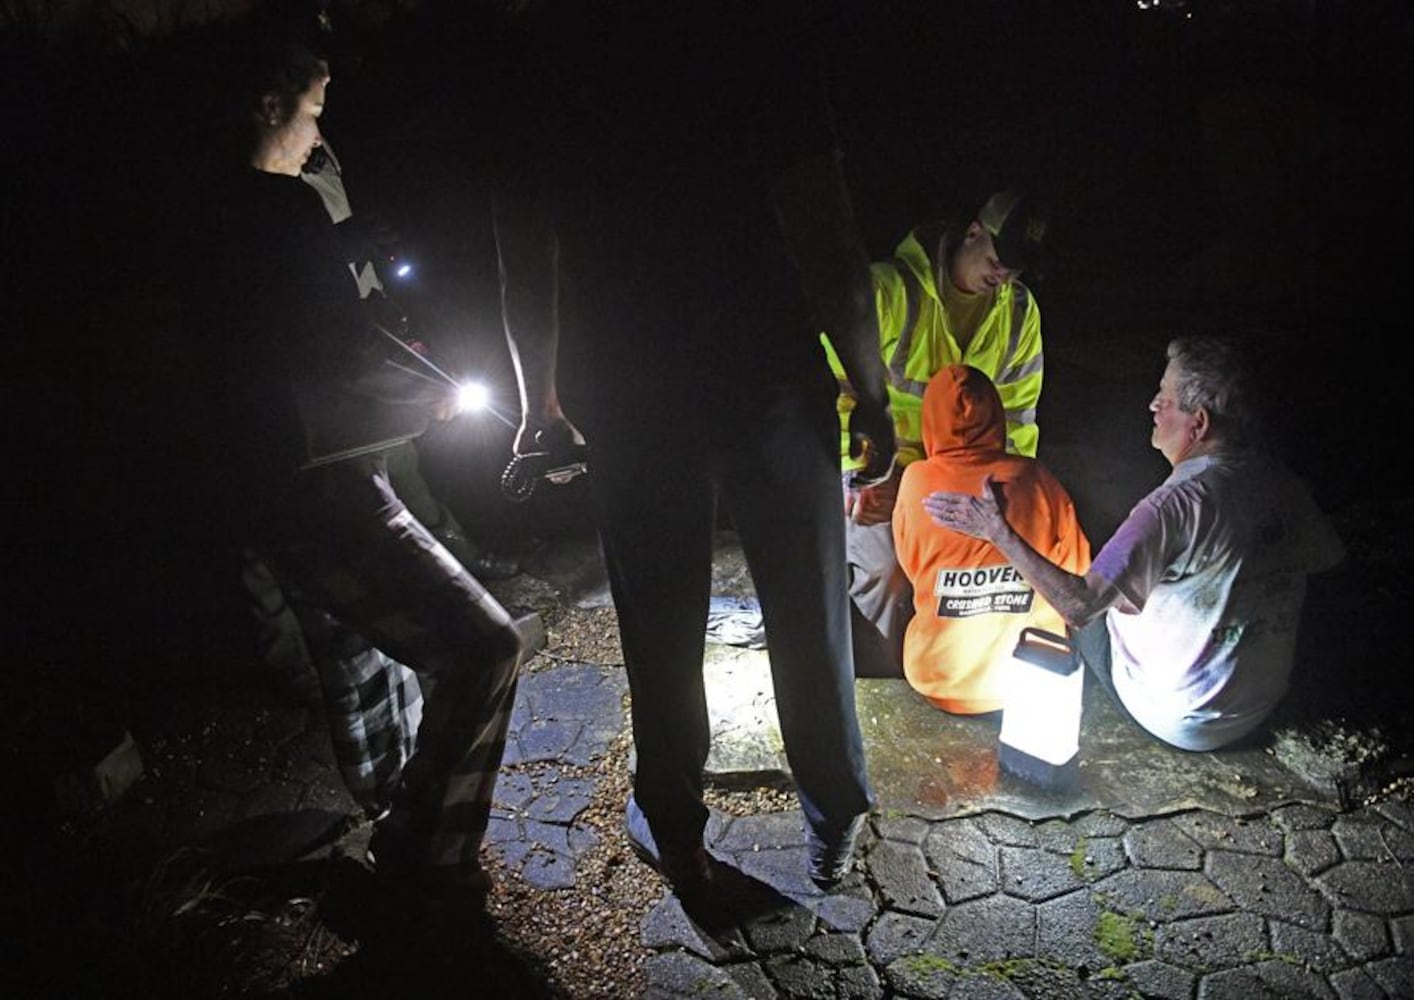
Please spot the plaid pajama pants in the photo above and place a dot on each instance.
(372, 703)
(375, 591)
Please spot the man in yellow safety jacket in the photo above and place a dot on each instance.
(951, 295)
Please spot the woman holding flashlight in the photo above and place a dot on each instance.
(311, 397)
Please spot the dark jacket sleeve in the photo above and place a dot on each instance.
(309, 376)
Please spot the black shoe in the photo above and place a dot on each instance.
(480, 563)
(832, 855)
(490, 566)
(466, 885)
(687, 867)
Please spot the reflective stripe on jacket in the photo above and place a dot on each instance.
(917, 341)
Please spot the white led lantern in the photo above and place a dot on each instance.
(1044, 686)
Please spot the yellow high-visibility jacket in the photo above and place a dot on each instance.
(917, 341)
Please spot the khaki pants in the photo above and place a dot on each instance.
(882, 599)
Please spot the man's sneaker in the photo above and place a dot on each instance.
(832, 855)
(688, 867)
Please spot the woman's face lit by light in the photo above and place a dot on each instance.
(285, 144)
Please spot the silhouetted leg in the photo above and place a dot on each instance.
(366, 561)
(782, 488)
(657, 536)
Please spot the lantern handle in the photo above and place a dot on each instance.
(1051, 651)
(1040, 633)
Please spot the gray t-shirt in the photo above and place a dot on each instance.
(328, 180)
(1215, 560)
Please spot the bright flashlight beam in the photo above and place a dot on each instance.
(428, 363)
(424, 359)
(501, 416)
(472, 397)
(412, 371)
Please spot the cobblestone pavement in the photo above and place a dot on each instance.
(1295, 901)
(1261, 891)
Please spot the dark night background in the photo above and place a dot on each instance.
(1209, 165)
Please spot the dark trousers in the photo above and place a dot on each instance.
(1092, 645)
(280, 637)
(655, 491)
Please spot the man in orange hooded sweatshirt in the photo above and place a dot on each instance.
(970, 603)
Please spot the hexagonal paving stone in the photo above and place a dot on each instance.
(1163, 895)
(1267, 886)
(985, 930)
(1275, 979)
(1161, 843)
(1212, 830)
(1369, 886)
(1225, 941)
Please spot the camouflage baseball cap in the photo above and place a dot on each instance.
(1017, 227)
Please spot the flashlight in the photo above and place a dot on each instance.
(398, 266)
(472, 397)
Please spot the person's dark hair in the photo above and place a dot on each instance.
(267, 68)
(1214, 374)
(284, 69)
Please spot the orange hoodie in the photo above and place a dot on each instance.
(969, 602)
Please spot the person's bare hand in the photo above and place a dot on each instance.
(875, 504)
(445, 408)
(978, 516)
(557, 436)
(871, 436)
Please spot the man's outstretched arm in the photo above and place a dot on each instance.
(817, 219)
(1077, 599)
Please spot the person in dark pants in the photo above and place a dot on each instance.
(688, 227)
(277, 633)
(308, 406)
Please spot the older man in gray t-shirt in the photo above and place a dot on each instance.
(1190, 611)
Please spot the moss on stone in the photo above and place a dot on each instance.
(924, 965)
(1122, 938)
(1077, 858)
